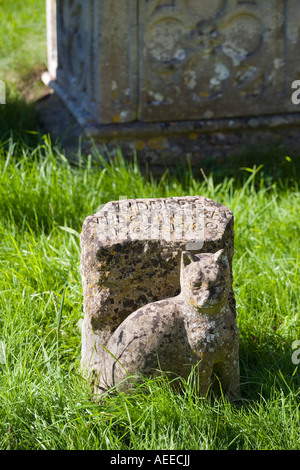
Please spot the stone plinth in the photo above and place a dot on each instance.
(172, 77)
(131, 252)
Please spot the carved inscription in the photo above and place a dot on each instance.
(157, 219)
(160, 219)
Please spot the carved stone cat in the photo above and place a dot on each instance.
(196, 329)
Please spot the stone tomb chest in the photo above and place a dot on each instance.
(176, 76)
(151, 60)
(131, 251)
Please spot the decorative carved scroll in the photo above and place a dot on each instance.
(208, 59)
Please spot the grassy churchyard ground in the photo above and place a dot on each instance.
(44, 402)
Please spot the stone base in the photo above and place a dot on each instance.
(170, 145)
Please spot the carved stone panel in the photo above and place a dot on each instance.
(96, 58)
(75, 68)
(117, 64)
(211, 59)
(173, 60)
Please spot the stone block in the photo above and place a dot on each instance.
(130, 256)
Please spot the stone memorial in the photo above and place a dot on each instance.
(168, 78)
(157, 286)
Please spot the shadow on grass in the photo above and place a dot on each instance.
(277, 165)
(20, 120)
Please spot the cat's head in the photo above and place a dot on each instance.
(205, 280)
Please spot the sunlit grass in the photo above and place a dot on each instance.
(22, 37)
(46, 404)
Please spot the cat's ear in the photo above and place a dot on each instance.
(187, 258)
(220, 256)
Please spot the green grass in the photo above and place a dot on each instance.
(22, 38)
(23, 58)
(46, 404)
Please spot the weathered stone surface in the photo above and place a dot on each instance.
(208, 59)
(96, 73)
(155, 60)
(169, 79)
(131, 253)
(195, 330)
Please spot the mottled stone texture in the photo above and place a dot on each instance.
(131, 252)
(195, 330)
(154, 60)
